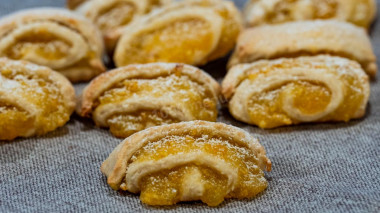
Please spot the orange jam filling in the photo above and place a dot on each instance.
(125, 125)
(182, 92)
(43, 96)
(13, 122)
(117, 15)
(182, 41)
(289, 10)
(266, 109)
(39, 42)
(165, 187)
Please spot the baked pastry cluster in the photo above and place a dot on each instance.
(358, 12)
(112, 16)
(57, 38)
(188, 161)
(34, 99)
(303, 70)
(132, 98)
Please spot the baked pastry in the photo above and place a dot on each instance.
(56, 38)
(111, 16)
(358, 12)
(306, 38)
(188, 161)
(135, 97)
(34, 99)
(190, 32)
(290, 91)
(152, 4)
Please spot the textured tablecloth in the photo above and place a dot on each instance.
(316, 168)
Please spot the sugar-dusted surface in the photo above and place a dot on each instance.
(316, 168)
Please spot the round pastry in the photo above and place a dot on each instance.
(190, 32)
(34, 99)
(56, 38)
(358, 12)
(290, 91)
(135, 97)
(306, 38)
(111, 16)
(188, 161)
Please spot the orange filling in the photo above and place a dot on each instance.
(13, 122)
(183, 41)
(179, 89)
(123, 126)
(40, 42)
(42, 95)
(290, 10)
(165, 187)
(266, 109)
(117, 15)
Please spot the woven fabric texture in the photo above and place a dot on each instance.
(316, 168)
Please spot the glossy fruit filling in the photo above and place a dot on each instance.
(116, 15)
(180, 92)
(266, 109)
(39, 42)
(183, 41)
(290, 10)
(166, 187)
(45, 110)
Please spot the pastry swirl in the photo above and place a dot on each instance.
(112, 16)
(306, 38)
(358, 12)
(56, 38)
(132, 98)
(195, 160)
(190, 32)
(290, 91)
(34, 99)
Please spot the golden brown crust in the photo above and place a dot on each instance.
(245, 80)
(70, 27)
(358, 12)
(115, 166)
(222, 16)
(64, 86)
(306, 38)
(108, 79)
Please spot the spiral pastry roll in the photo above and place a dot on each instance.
(290, 91)
(56, 38)
(111, 16)
(34, 99)
(358, 12)
(306, 38)
(190, 32)
(195, 160)
(132, 98)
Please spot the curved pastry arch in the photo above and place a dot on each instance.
(147, 152)
(112, 16)
(358, 12)
(56, 38)
(198, 31)
(305, 38)
(34, 99)
(289, 91)
(152, 93)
